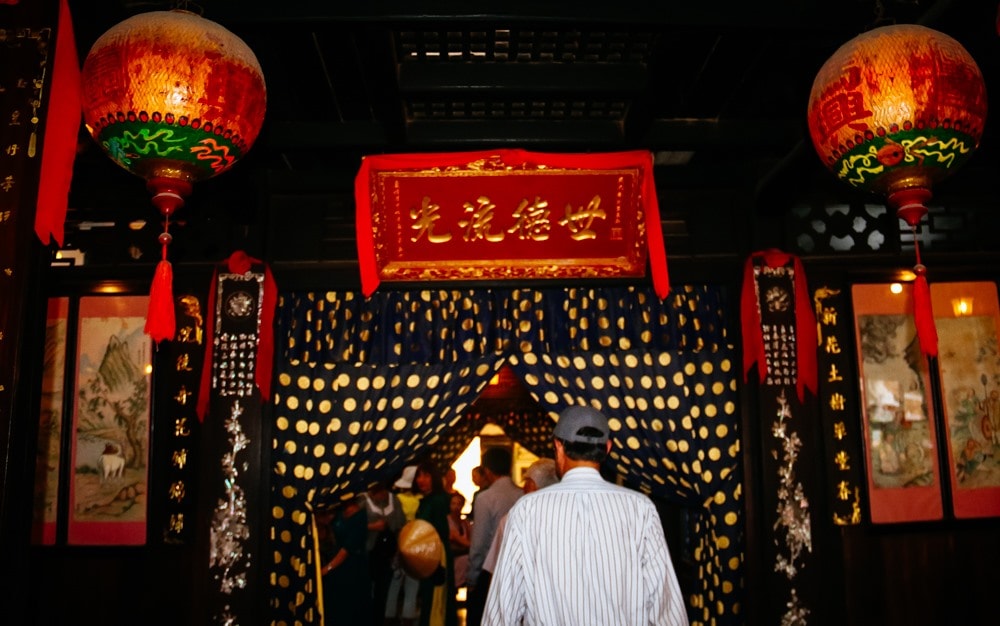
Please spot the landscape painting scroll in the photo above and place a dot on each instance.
(898, 432)
(111, 417)
(968, 321)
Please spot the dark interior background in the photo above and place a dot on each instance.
(717, 90)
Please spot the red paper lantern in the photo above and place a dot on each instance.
(896, 108)
(894, 111)
(174, 98)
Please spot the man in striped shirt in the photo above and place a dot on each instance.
(584, 552)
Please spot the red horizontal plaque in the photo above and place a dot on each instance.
(507, 214)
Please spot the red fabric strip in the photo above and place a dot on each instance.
(364, 234)
(265, 343)
(205, 388)
(753, 339)
(62, 125)
(806, 339)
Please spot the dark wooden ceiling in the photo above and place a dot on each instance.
(717, 90)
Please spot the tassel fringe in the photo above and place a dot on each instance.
(160, 319)
(923, 316)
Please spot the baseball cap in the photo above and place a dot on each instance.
(405, 480)
(574, 418)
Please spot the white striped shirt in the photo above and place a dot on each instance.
(584, 552)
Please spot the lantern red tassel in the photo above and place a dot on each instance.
(160, 320)
(923, 315)
(910, 205)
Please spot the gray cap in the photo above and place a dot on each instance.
(574, 418)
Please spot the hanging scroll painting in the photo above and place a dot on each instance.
(898, 420)
(967, 316)
(110, 439)
(50, 420)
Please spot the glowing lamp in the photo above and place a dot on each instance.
(174, 98)
(892, 112)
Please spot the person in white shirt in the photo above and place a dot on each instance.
(540, 474)
(584, 551)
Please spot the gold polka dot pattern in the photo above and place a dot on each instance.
(365, 385)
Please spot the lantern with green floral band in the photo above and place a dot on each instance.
(894, 111)
(174, 98)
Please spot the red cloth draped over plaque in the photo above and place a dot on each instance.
(805, 322)
(239, 262)
(508, 214)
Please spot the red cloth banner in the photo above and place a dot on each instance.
(508, 214)
(62, 124)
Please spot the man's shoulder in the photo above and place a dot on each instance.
(592, 485)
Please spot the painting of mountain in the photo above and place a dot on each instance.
(111, 422)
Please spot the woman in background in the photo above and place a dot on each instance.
(437, 591)
(460, 537)
(347, 596)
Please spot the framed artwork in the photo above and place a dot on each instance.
(967, 316)
(50, 424)
(898, 432)
(111, 416)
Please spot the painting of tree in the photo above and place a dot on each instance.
(969, 362)
(111, 417)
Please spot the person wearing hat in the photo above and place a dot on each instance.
(401, 582)
(584, 550)
(404, 489)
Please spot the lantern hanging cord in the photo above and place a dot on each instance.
(165, 237)
(187, 5)
(916, 244)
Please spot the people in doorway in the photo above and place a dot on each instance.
(437, 591)
(449, 480)
(492, 504)
(344, 565)
(401, 582)
(628, 578)
(477, 479)
(539, 475)
(459, 536)
(385, 518)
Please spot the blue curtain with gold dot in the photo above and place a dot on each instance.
(365, 385)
